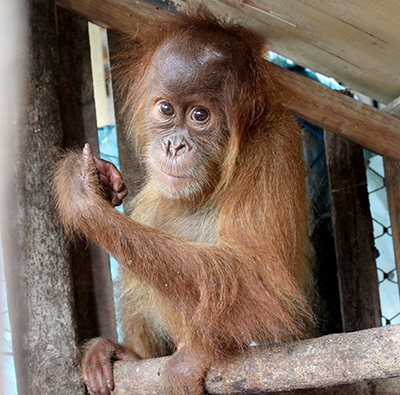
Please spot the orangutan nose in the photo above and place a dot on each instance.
(175, 146)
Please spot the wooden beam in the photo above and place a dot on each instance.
(343, 115)
(392, 183)
(317, 363)
(121, 15)
(309, 99)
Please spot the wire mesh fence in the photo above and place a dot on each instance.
(319, 194)
(385, 261)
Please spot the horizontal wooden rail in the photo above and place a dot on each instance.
(309, 99)
(318, 363)
(121, 15)
(343, 115)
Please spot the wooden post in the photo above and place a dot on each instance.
(13, 20)
(355, 251)
(93, 287)
(41, 296)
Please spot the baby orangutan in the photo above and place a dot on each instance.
(215, 253)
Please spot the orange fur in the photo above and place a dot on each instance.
(219, 268)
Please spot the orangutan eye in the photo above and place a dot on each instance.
(166, 109)
(199, 114)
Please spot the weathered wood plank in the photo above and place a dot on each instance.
(317, 363)
(354, 241)
(122, 15)
(321, 105)
(354, 43)
(343, 115)
(358, 43)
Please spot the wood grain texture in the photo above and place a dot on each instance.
(354, 241)
(122, 15)
(343, 115)
(354, 120)
(318, 363)
(355, 41)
